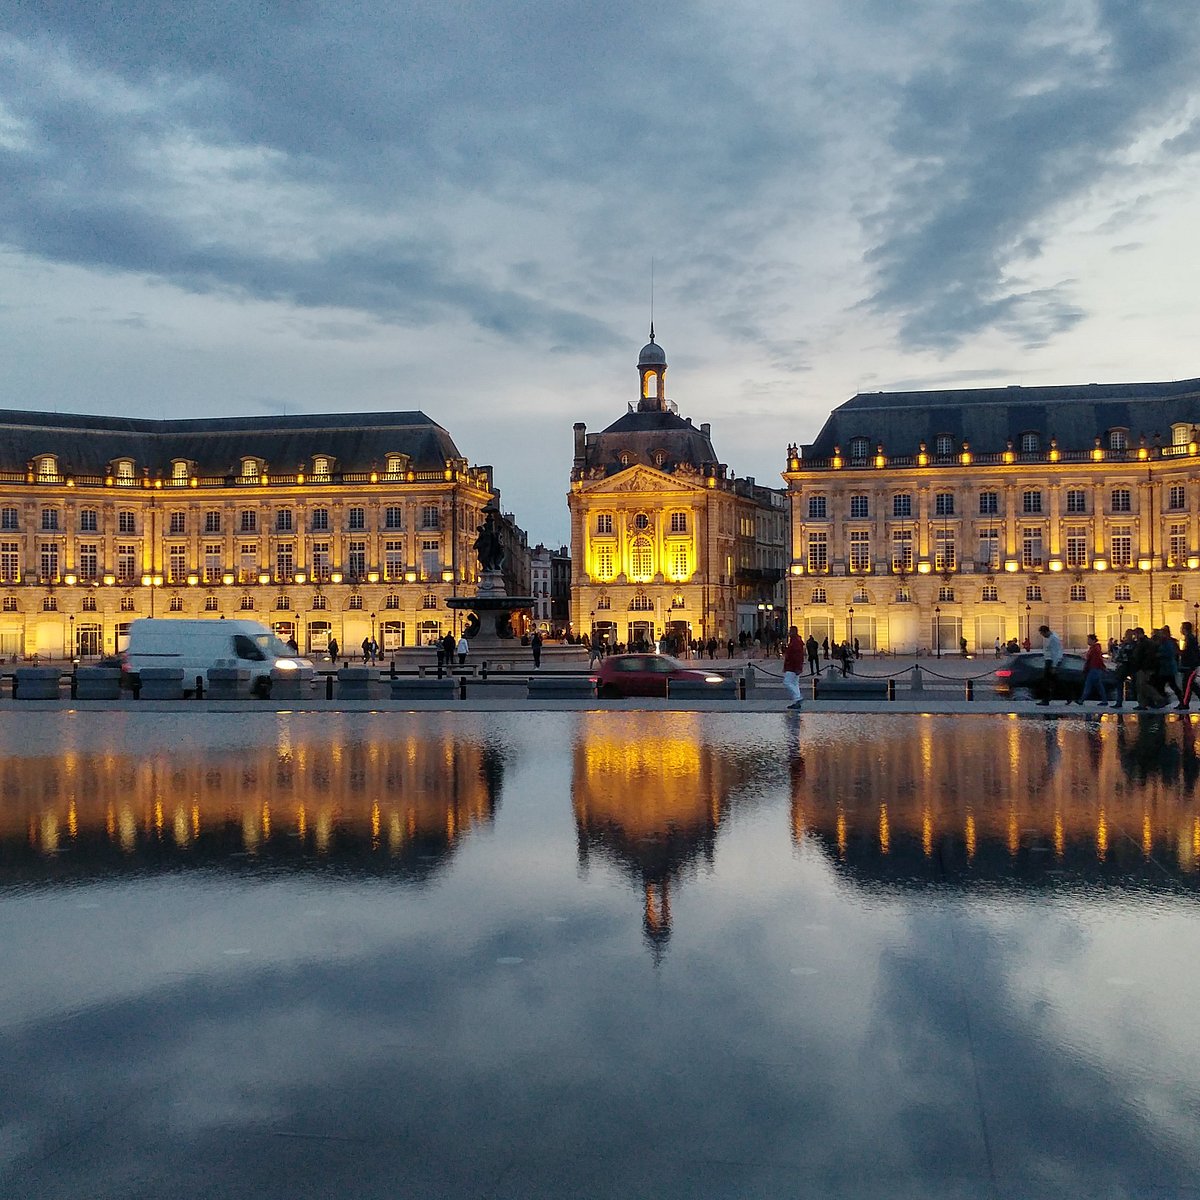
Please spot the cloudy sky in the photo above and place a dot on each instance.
(232, 207)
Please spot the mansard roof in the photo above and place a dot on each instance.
(86, 445)
(642, 435)
(988, 417)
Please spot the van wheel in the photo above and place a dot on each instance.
(262, 688)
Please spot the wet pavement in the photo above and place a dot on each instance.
(516, 954)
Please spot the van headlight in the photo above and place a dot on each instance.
(714, 679)
(287, 664)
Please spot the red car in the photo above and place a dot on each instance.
(623, 675)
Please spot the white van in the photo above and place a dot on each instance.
(197, 645)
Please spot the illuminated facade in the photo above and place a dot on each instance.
(663, 537)
(922, 518)
(319, 526)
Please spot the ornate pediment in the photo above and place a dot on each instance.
(641, 479)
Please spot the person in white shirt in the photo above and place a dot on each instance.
(1052, 655)
(464, 648)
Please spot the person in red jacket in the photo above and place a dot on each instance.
(1093, 672)
(793, 666)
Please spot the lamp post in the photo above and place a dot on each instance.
(937, 628)
(71, 643)
(1121, 621)
(1028, 635)
(850, 625)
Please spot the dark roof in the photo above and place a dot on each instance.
(989, 417)
(86, 445)
(642, 434)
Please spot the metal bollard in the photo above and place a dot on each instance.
(74, 682)
(483, 673)
(328, 687)
(891, 689)
(970, 689)
(462, 687)
(742, 688)
(199, 687)
(392, 672)
(815, 681)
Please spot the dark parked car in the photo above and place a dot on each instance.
(643, 675)
(1021, 678)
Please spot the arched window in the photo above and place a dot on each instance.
(641, 603)
(320, 467)
(249, 468)
(179, 469)
(604, 600)
(124, 469)
(641, 559)
(319, 602)
(355, 602)
(282, 602)
(247, 603)
(47, 467)
(393, 601)
(429, 600)
(177, 604)
(210, 604)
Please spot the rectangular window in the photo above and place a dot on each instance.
(990, 594)
(431, 558)
(679, 561)
(1121, 547)
(1177, 542)
(88, 566)
(902, 504)
(989, 547)
(285, 560)
(605, 562)
(1078, 591)
(860, 508)
(1176, 497)
(1076, 500)
(248, 562)
(393, 560)
(604, 523)
(8, 518)
(283, 520)
(127, 566)
(1122, 592)
(356, 560)
(10, 562)
(357, 519)
(1077, 546)
(989, 503)
(49, 561)
(1031, 502)
(177, 564)
(249, 520)
(212, 521)
(1031, 547)
(943, 504)
(902, 549)
(393, 517)
(87, 521)
(1122, 500)
(213, 564)
(321, 566)
(430, 517)
(320, 520)
(817, 508)
(49, 519)
(818, 551)
(126, 522)
(860, 550)
(679, 522)
(945, 557)
(178, 522)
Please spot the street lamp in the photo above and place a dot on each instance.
(72, 644)
(937, 628)
(850, 623)
(1028, 627)
(1121, 620)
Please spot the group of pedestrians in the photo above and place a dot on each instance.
(1156, 664)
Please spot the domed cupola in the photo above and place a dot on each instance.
(652, 374)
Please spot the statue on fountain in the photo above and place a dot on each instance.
(488, 545)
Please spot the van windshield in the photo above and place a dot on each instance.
(270, 645)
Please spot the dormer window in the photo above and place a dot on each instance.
(1118, 439)
(394, 464)
(124, 470)
(179, 470)
(660, 458)
(1031, 443)
(47, 467)
(625, 458)
(250, 468)
(1181, 434)
(321, 466)
(943, 445)
(860, 448)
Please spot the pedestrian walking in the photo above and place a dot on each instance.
(366, 649)
(334, 649)
(814, 655)
(1189, 661)
(1052, 655)
(1093, 672)
(535, 644)
(793, 667)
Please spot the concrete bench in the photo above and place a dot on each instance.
(36, 683)
(357, 683)
(837, 688)
(292, 685)
(228, 682)
(160, 683)
(561, 687)
(695, 689)
(98, 683)
(408, 688)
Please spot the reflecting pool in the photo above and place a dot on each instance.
(598, 954)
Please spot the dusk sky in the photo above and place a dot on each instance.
(226, 207)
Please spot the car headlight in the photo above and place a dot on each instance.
(287, 664)
(714, 679)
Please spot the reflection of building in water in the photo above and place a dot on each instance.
(1062, 803)
(652, 805)
(398, 807)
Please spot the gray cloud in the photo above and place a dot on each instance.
(1013, 117)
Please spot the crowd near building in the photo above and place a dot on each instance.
(934, 521)
(915, 522)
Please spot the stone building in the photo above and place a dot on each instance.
(656, 525)
(339, 525)
(923, 518)
(550, 586)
